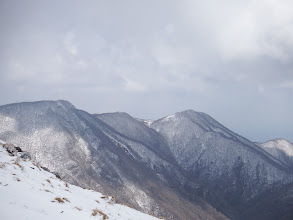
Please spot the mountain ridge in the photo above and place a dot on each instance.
(89, 153)
(187, 159)
(216, 124)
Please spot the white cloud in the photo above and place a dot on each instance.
(82, 65)
(69, 43)
(169, 28)
(59, 58)
(287, 85)
(18, 71)
(192, 53)
(133, 86)
(245, 29)
(260, 89)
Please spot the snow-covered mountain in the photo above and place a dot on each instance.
(205, 147)
(88, 152)
(30, 192)
(220, 163)
(220, 159)
(281, 149)
(182, 166)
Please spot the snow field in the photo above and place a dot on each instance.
(29, 192)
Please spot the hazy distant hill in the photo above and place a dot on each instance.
(281, 149)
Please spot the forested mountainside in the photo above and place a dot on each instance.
(183, 166)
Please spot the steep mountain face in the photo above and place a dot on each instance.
(138, 169)
(224, 163)
(281, 149)
(137, 131)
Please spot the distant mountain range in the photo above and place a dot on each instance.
(183, 166)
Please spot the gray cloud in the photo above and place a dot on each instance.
(230, 59)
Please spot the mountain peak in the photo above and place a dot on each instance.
(188, 111)
(189, 115)
(191, 112)
(60, 102)
(65, 103)
(279, 141)
(114, 113)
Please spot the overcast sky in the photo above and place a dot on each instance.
(231, 59)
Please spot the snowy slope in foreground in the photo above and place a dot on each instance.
(29, 192)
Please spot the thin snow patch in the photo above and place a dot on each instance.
(170, 117)
(84, 147)
(141, 197)
(7, 123)
(147, 122)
